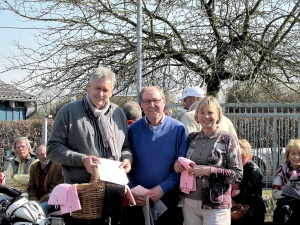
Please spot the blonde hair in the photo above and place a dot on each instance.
(293, 145)
(209, 101)
(247, 149)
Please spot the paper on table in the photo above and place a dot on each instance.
(110, 171)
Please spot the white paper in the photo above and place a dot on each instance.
(110, 171)
(139, 190)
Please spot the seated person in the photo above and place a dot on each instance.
(249, 189)
(17, 173)
(285, 187)
(44, 176)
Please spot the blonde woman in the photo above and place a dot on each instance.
(250, 188)
(218, 165)
(286, 187)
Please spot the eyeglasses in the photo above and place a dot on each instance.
(148, 102)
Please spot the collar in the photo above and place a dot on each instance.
(17, 158)
(90, 112)
(46, 168)
(151, 126)
(213, 134)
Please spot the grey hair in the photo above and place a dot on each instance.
(103, 73)
(40, 147)
(27, 142)
(150, 87)
(132, 110)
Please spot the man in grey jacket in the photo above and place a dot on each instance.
(89, 129)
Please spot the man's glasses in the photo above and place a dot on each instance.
(148, 102)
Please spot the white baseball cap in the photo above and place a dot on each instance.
(193, 91)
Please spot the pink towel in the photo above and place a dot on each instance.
(187, 182)
(66, 196)
(129, 195)
(58, 195)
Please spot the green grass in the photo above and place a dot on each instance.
(267, 193)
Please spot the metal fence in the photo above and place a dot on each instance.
(267, 126)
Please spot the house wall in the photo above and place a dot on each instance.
(8, 113)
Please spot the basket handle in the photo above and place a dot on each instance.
(96, 176)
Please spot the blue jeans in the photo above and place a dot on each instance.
(46, 207)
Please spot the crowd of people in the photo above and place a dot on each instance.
(193, 170)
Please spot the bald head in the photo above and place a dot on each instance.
(41, 154)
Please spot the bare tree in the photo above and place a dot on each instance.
(185, 42)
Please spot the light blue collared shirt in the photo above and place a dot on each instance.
(154, 128)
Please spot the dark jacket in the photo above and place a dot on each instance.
(251, 189)
(53, 177)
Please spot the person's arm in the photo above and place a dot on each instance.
(57, 149)
(32, 188)
(21, 178)
(126, 153)
(233, 171)
(278, 185)
(9, 181)
(172, 182)
(17, 181)
(56, 179)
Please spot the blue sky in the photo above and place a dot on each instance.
(9, 25)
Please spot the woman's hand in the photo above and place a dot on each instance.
(178, 167)
(200, 170)
(282, 188)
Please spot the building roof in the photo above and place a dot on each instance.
(10, 93)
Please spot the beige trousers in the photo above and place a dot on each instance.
(193, 214)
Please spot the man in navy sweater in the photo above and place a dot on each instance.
(156, 141)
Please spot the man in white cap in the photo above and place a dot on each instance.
(191, 98)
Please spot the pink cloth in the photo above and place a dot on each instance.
(234, 188)
(66, 196)
(129, 195)
(294, 175)
(187, 182)
(58, 195)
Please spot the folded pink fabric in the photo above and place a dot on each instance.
(58, 195)
(129, 195)
(66, 196)
(187, 182)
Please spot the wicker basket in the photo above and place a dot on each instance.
(91, 197)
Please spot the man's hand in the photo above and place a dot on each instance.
(126, 165)
(140, 201)
(90, 162)
(178, 167)
(155, 193)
